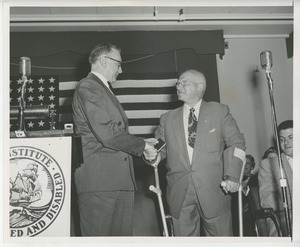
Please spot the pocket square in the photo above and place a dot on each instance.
(212, 130)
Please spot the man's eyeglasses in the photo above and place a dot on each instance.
(120, 62)
(182, 83)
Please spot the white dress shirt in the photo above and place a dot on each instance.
(103, 79)
(186, 112)
(290, 160)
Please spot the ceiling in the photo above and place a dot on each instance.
(239, 21)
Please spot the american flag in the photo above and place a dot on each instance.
(144, 100)
(40, 90)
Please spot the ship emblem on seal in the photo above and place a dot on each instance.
(37, 191)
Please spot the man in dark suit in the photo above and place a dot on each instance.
(196, 136)
(105, 182)
(269, 176)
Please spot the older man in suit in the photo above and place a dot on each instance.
(269, 176)
(105, 182)
(196, 136)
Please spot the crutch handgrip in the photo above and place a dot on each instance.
(223, 185)
(155, 190)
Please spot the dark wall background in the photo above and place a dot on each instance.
(171, 52)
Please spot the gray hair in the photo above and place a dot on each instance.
(101, 49)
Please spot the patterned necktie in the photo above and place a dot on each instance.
(192, 127)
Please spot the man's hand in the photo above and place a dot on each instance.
(230, 186)
(156, 162)
(150, 142)
(150, 152)
(244, 184)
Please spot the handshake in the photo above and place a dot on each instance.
(151, 151)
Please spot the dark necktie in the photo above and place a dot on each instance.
(192, 127)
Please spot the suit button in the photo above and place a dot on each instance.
(125, 159)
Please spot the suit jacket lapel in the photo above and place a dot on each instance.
(112, 97)
(121, 110)
(179, 133)
(288, 172)
(202, 122)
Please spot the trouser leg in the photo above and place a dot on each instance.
(220, 225)
(188, 223)
(106, 213)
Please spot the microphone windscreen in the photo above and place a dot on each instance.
(25, 66)
(266, 60)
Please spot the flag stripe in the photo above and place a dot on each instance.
(65, 93)
(131, 99)
(134, 106)
(151, 75)
(138, 130)
(151, 106)
(69, 85)
(147, 98)
(145, 90)
(144, 121)
(144, 83)
(145, 114)
(150, 135)
(67, 118)
(128, 91)
(67, 77)
(132, 115)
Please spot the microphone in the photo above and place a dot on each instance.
(25, 66)
(266, 60)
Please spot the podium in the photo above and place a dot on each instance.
(40, 174)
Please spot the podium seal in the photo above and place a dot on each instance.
(37, 191)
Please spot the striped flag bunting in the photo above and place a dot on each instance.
(144, 100)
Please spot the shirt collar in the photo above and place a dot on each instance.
(101, 77)
(196, 107)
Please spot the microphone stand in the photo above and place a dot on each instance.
(22, 104)
(283, 183)
(240, 201)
